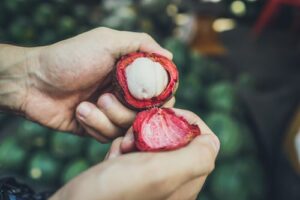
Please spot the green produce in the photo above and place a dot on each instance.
(65, 145)
(47, 37)
(22, 30)
(180, 53)
(14, 5)
(43, 168)
(222, 97)
(113, 5)
(81, 11)
(203, 196)
(31, 135)
(249, 143)
(2, 117)
(12, 156)
(197, 64)
(66, 26)
(238, 180)
(190, 91)
(253, 174)
(206, 88)
(153, 6)
(123, 19)
(44, 14)
(228, 132)
(246, 81)
(227, 183)
(208, 71)
(96, 151)
(73, 169)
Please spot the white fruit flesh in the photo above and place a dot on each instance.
(146, 78)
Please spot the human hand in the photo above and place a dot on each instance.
(171, 175)
(68, 87)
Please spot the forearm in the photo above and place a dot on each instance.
(15, 67)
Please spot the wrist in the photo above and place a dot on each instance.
(16, 66)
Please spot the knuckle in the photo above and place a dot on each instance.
(103, 29)
(146, 36)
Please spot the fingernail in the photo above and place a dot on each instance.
(84, 110)
(106, 101)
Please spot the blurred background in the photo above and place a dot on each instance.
(239, 63)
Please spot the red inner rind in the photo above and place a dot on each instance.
(164, 137)
(168, 65)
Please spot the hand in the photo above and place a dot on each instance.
(75, 76)
(178, 174)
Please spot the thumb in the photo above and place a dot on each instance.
(195, 160)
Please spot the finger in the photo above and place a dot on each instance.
(189, 190)
(91, 116)
(115, 110)
(128, 144)
(148, 44)
(139, 42)
(195, 160)
(170, 103)
(94, 134)
(107, 154)
(192, 118)
(115, 149)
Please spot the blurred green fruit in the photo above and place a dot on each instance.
(110, 6)
(238, 180)
(228, 132)
(246, 81)
(2, 117)
(203, 196)
(180, 52)
(64, 145)
(227, 183)
(44, 15)
(47, 37)
(253, 173)
(124, 19)
(12, 156)
(73, 169)
(198, 65)
(81, 11)
(222, 97)
(190, 90)
(15, 6)
(66, 26)
(96, 151)
(153, 6)
(31, 135)
(207, 70)
(43, 168)
(21, 30)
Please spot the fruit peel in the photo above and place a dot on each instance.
(121, 87)
(160, 129)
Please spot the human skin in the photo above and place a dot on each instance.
(171, 175)
(66, 86)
